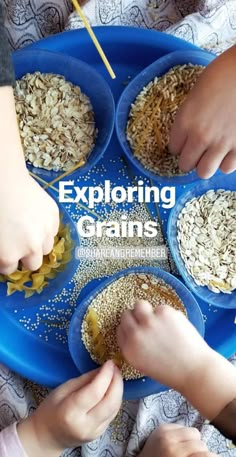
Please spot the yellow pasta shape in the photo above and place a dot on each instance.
(91, 318)
(12, 287)
(52, 258)
(61, 267)
(37, 280)
(44, 269)
(94, 332)
(100, 348)
(117, 359)
(51, 275)
(16, 276)
(66, 257)
(59, 247)
(30, 282)
(98, 342)
(29, 293)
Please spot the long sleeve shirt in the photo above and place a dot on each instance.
(6, 67)
(10, 445)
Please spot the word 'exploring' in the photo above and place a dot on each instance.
(91, 195)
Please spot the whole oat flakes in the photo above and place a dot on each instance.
(56, 121)
(206, 233)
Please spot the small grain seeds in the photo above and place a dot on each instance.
(93, 269)
(56, 121)
(152, 115)
(206, 233)
(116, 298)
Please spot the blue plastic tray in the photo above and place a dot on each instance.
(26, 351)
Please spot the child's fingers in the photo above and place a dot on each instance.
(91, 394)
(228, 164)
(122, 337)
(211, 160)
(128, 322)
(191, 153)
(73, 385)
(204, 454)
(142, 311)
(48, 244)
(178, 137)
(128, 328)
(7, 266)
(110, 403)
(187, 449)
(34, 261)
(178, 435)
(168, 427)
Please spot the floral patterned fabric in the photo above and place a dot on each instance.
(128, 433)
(207, 23)
(31, 20)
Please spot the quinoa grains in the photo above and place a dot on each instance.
(152, 115)
(108, 306)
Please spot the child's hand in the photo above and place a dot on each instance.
(29, 217)
(174, 440)
(159, 343)
(164, 345)
(29, 220)
(76, 412)
(203, 134)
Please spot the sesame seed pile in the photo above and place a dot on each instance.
(95, 269)
(152, 115)
(120, 295)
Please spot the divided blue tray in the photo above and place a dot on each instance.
(22, 344)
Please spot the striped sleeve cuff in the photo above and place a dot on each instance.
(6, 67)
(10, 444)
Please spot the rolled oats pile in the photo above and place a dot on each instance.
(56, 121)
(110, 304)
(152, 115)
(206, 233)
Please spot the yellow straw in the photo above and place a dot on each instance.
(93, 37)
(68, 172)
(42, 181)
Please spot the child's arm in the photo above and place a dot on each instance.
(77, 412)
(29, 218)
(204, 133)
(165, 346)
